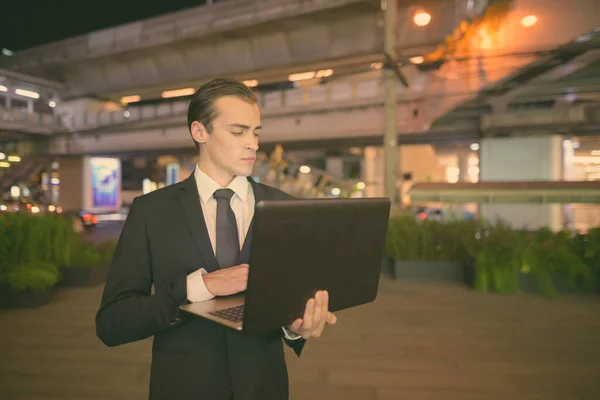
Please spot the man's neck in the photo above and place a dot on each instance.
(223, 179)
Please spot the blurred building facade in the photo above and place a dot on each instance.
(487, 91)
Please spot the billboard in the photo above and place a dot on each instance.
(104, 189)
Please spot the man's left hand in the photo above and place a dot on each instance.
(316, 315)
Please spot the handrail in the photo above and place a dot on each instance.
(28, 118)
(363, 91)
(359, 93)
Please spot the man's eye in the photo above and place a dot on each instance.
(237, 133)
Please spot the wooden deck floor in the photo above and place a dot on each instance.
(416, 342)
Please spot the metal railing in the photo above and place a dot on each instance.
(432, 94)
(428, 95)
(327, 97)
(27, 119)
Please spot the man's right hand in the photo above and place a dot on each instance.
(228, 281)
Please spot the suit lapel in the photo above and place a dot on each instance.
(190, 201)
(258, 190)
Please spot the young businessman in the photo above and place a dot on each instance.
(191, 241)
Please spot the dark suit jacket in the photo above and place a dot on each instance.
(163, 240)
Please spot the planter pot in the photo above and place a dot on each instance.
(469, 274)
(83, 276)
(387, 265)
(529, 284)
(24, 299)
(431, 271)
(526, 283)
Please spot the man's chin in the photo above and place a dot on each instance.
(245, 171)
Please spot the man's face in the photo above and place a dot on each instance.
(230, 149)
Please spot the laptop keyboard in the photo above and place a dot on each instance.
(233, 314)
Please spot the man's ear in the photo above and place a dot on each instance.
(199, 132)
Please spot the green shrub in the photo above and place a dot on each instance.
(35, 275)
(499, 253)
(587, 247)
(551, 254)
(84, 254)
(403, 238)
(27, 238)
(106, 250)
(31, 248)
(498, 258)
(87, 254)
(411, 240)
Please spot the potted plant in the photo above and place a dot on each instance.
(587, 247)
(87, 265)
(30, 248)
(545, 262)
(28, 285)
(552, 266)
(427, 250)
(498, 255)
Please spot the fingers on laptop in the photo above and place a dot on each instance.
(316, 316)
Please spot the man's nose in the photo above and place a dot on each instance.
(253, 144)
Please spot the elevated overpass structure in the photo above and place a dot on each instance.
(249, 39)
(341, 114)
(453, 98)
(481, 71)
(26, 104)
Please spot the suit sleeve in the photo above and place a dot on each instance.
(296, 344)
(128, 311)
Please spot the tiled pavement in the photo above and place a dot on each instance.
(416, 342)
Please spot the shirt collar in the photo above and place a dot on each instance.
(207, 186)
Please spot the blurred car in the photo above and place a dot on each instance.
(82, 220)
(440, 214)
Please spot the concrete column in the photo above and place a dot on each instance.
(90, 183)
(391, 134)
(523, 159)
(56, 101)
(568, 153)
(463, 166)
(7, 99)
(71, 183)
(372, 171)
(334, 165)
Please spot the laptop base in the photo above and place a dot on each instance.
(213, 310)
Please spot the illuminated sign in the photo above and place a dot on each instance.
(105, 180)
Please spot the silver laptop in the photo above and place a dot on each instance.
(299, 247)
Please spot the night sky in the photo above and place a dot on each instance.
(29, 23)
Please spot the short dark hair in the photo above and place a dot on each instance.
(202, 106)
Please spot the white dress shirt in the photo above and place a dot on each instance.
(242, 203)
